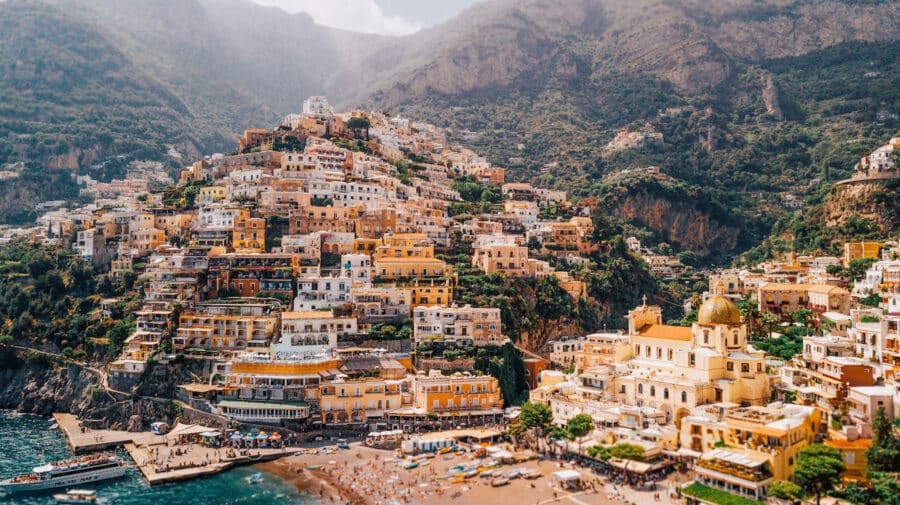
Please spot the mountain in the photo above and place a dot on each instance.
(753, 98)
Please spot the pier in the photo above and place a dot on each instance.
(81, 439)
(160, 459)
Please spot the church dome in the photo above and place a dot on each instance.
(717, 309)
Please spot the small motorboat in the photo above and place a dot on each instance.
(410, 466)
(76, 496)
(256, 478)
(500, 481)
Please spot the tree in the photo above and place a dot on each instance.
(599, 452)
(627, 451)
(535, 415)
(359, 123)
(884, 455)
(873, 300)
(818, 468)
(786, 490)
(580, 425)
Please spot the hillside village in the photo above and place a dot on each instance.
(316, 270)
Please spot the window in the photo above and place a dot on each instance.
(684, 397)
(665, 393)
(745, 367)
(729, 366)
(640, 389)
(622, 389)
(652, 390)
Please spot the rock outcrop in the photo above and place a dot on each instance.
(875, 200)
(680, 222)
(41, 388)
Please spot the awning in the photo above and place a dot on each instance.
(188, 429)
(566, 475)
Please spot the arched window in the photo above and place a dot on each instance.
(734, 339)
(684, 397)
(705, 336)
(665, 393)
(652, 390)
(640, 389)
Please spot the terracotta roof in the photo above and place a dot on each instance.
(665, 332)
(784, 286)
(860, 443)
(827, 288)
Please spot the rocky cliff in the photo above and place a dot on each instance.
(678, 221)
(875, 200)
(40, 388)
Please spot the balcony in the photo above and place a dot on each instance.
(751, 476)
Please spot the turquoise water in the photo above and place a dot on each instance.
(27, 441)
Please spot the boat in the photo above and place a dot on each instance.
(67, 473)
(500, 481)
(76, 496)
(514, 474)
(532, 474)
(313, 467)
(410, 466)
(444, 450)
(256, 478)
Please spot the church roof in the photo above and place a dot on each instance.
(718, 309)
(665, 331)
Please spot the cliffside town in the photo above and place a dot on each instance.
(314, 276)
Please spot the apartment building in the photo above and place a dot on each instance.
(455, 400)
(457, 326)
(232, 327)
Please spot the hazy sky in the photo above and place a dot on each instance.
(386, 17)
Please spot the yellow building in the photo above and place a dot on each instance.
(145, 240)
(854, 455)
(436, 291)
(249, 234)
(748, 448)
(210, 194)
(259, 378)
(233, 327)
(602, 349)
(508, 259)
(357, 401)
(456, 400)
(674, 368)
(861, 250)
(260, 389)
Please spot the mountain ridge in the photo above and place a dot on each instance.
(767, 91)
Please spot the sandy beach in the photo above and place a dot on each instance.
(366, 476)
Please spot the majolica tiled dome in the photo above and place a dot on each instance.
(717, 309)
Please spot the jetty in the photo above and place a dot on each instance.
(82, 439)
(163, 459)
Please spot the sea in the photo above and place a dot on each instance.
(27, 441)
